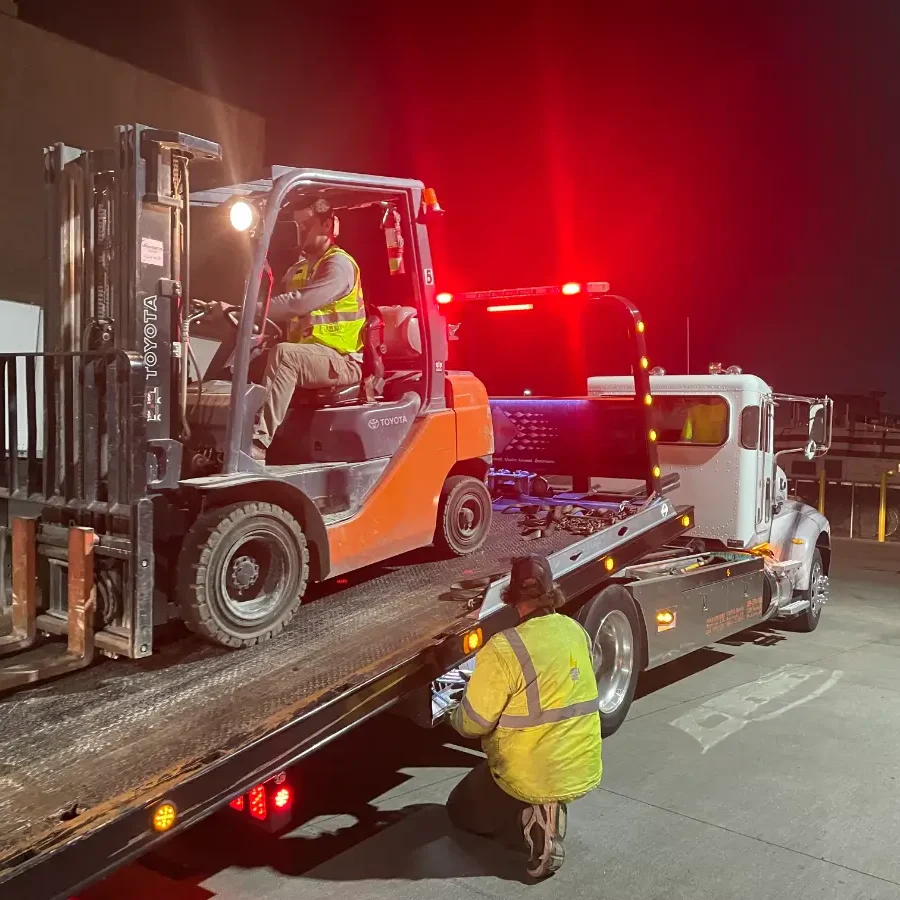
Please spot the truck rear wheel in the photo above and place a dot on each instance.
(611, 621)
(464, 515)
(242, 573)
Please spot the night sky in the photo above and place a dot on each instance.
(740, 167)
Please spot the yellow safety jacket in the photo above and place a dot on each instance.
(339, 324)
(706, 424)
(533, 701)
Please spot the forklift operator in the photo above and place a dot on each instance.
(322, 307)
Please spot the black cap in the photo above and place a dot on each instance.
(530, 578)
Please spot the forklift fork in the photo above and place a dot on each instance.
(49, 660)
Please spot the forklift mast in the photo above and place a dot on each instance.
(89, 427)
(118, 233)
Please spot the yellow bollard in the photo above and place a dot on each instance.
(882, 507)
(822, 492)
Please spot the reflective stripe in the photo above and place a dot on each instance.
(478, 719)
(330, 318)
(535, 715)
(532, 692)
(547, 716)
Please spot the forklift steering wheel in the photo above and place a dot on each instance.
(271, 328)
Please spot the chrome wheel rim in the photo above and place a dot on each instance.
(613, 660)
(818, 594)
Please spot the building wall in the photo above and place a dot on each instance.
(54, 90)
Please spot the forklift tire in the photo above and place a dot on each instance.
(242, 573)
(464, 516)
(611, 621)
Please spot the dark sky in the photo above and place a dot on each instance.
(738, 167)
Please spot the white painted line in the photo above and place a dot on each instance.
(731, 711)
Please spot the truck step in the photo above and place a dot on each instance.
(793, 609)
(36, 663)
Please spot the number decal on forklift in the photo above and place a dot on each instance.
(429, 276)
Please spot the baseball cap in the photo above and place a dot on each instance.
(530, 577)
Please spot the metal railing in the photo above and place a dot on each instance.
(856, 509)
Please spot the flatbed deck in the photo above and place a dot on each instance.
(103, 737)
(99, 747)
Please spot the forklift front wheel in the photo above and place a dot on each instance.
(464, 516)
(242, 573)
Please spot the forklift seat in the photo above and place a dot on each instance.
(402, 335)
(398, 351)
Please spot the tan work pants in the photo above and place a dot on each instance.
(305, 366)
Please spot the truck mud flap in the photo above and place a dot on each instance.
(33, 661)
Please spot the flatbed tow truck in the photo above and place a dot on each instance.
(104, 761)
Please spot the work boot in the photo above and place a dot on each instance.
(544, 825)
(258, 452)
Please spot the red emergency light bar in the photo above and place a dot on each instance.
(570, 288)
(511, 307)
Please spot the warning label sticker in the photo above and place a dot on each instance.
(151, 252)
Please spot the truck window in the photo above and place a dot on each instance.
(750, 427)
(701, 421)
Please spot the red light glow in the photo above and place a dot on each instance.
(257, 798)
(282, 798)
(237, 803)
(512, 307)
(444, 298)
(571, 287)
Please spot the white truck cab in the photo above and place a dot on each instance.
(716, 432)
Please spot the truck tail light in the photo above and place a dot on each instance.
(267, 804)
(283, 798)
(258, 805)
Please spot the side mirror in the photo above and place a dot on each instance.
(809, 451)
(817, 424)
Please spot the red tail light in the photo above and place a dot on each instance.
(571, 287)
(237, 803)
(283, 797)
(257, 797)
(445, 298)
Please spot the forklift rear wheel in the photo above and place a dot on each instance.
(611, 621)
(464, 515)
(242, 573)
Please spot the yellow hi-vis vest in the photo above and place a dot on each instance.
(338, 325)
(532, 700)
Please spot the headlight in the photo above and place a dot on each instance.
(243, 215)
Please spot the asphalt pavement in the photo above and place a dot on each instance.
(765, 766)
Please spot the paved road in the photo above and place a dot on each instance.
(763, 767)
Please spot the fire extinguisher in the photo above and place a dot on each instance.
(393, 237)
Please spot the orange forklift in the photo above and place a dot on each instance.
(130, 494)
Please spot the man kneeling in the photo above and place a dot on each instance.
(533, 702)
